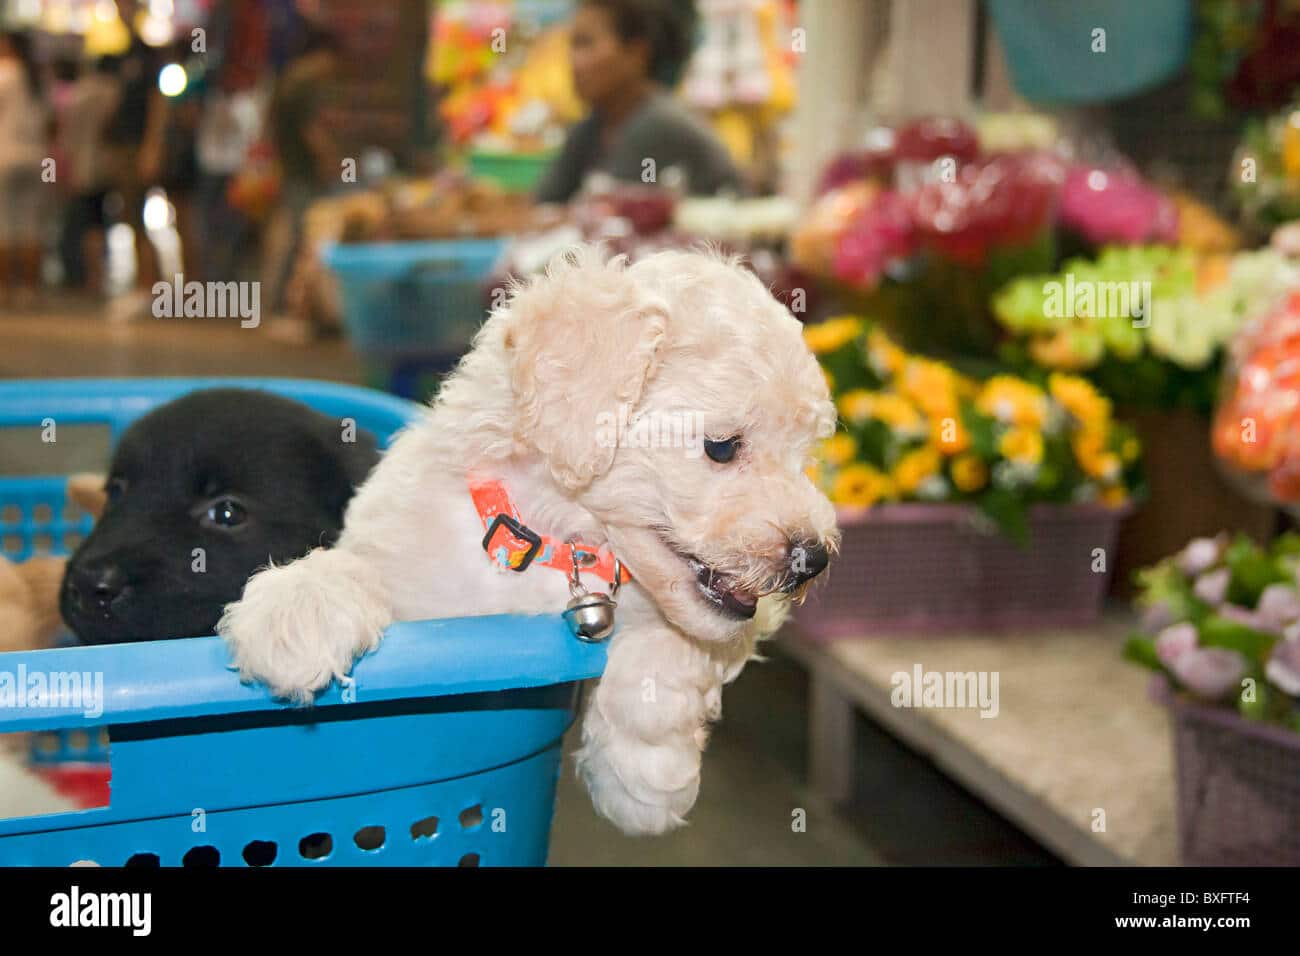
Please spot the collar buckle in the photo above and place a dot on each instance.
(517, 558)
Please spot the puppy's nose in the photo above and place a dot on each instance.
(807, 560)
(98, 586)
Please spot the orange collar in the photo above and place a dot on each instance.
(512, 544)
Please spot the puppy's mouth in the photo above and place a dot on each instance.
(720, 590)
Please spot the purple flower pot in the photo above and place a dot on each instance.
(1238, 785)
(939, 568)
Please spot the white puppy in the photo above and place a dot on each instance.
(707, 522)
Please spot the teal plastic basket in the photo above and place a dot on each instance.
(444, 748)
(1049, 46)
(403, 299)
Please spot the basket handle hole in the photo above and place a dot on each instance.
(317, 846)
(425, 829)
(471, 817)
(202, 856)
(260, 853)
(370, 839)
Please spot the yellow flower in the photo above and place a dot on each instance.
(839, 449)
(832, 334)
(814, 473)
(860, 486)
(915, 467)
(1013, 401)
(1024, 446)
(931, 385)
(1114, 496)
(886, 358)
(897, 412)
(855, 406)
(969, 473)
(950, 435)
(1096, 460)
(1078, 397)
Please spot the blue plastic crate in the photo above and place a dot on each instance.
(444, 749)
(403, 299)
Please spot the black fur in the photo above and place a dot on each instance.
(283, 465)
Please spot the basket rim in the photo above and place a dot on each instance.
(1162, 691)
(100, 400)
(922, 512)
(192, 677)
(393, 258)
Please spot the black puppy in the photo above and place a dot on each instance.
(203, 491)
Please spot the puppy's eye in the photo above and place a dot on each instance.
(721, 451)
(225, 513)
(115, 488)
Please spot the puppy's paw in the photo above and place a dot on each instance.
(645, 789)
(301, 626)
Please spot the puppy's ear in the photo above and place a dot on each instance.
(87, 490)
(581, 341)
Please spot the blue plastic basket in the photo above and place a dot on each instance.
(413, 298)
(1049, 46)
(443, 750)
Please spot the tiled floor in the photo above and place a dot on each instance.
(903, 812)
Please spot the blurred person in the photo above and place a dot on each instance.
(306, 153)
(232, 120)
(23, 193)
(169, 155)
(625, 56)
(84, 119)
(137, 110)
(65, 72)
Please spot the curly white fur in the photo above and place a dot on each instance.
(676, 332)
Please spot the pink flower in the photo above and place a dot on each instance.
(1279, 605)
(1116, 206)
(1212, 588)
(1209, 672)
(1200, 555)
(1006, 200)
(1175, 641)
(881, 235)
(1283, 668)
(872, 163)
